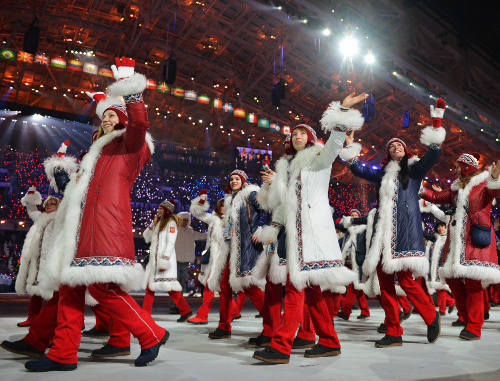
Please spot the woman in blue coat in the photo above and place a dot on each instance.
(397, 247)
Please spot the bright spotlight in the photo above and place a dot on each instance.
(348, 46)
(394, 72)
(369, 58)
(327, 32)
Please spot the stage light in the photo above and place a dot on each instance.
(394, 72)
(304, 21)
(369, 58)
(326, 32)
(348, 46)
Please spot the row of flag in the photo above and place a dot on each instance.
(91, 68)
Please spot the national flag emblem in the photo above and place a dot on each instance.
(42, 59)
(90, 68)
(264, 123)
(150, 84)
(7, 54)
(177, 92)
(105, 72)
(205, 99)
(275, 127)
(285, 130)
(239, 113)
(216, 103)
(75, 65)
(25, 57)
(58, 62)
(228, 108)
(163, 88)
(251, 118)
(190, 95)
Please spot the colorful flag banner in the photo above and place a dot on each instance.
(264, 123)
(190, 95)
(58, 62)
(239, 113)
(7, 54)
(150, 84)
(90, 68)
(251, 118)
(42, 59)
(285, 130)
(177, 92)
(228, 108)
(216, 103)
(105, 72)
(25, 57)
(204, 99)
(275, 127)
(163, 88)
(75, 65)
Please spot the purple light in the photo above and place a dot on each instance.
(374, 167)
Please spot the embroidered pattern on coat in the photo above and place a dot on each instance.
(102, 261)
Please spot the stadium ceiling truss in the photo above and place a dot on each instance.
(231, 50)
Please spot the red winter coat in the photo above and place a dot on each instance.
(99, 213)
(461, 258)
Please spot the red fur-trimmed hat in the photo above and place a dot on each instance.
(355, 211)
(311, 137)
(469, 163)
(168, 207)
(243, 176)
(386, 159)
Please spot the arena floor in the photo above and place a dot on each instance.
(190, 355)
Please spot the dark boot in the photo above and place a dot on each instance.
(184, 317)
(322, 351)
(21, 347)
(389, 341)
(382, 328)
(458, 323)
(406, 315)
(342, 315)
(219, 334)
(47, 365)
(468, 335)
(451, 308)
(434, 329)
(110, 351)
(272, 355)
(149, 354)
(299, 343)
(362, 316)
(236, 318)
(94, 333)
(260, 341)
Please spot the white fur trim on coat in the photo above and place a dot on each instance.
(381, 242)
(32, 199)
(334, 119)
(349, 251)
(66, 163)
(453, 268)
(431, 135)
(350, 152)
(128, 86)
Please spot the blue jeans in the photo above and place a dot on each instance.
(182, 273)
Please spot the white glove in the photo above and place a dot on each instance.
(124, 68)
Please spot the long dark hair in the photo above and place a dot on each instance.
(403, 175)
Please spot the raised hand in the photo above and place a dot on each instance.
(124, 68)
(96, 95)
(495, 169)
(267, 176)
(436, 188)
(351, 99)
(349, 138)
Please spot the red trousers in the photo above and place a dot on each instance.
(208, 297)
(119, 336)
(486, 301)
(226, 296)
(389, 299)
(468, 294)
(306, 330)
(240, 301)
(404, 303)
(271, 310)
(120, 305)
(423, 284)
(101, 318)
(493, 292)
(350, 297)
(42, 328)
(176, 296)
(293, 316)
(34, 307)
(333, 301)
(444, 300)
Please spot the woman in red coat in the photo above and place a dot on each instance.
(96, 246)
(466, 267)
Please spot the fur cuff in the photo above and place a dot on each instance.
(197, 209)
(263, 197)
(128, 86)
(89, 300)
(425, 208)
(350, 152)
(67, 163)
(492, 183)
(432, 135)
(335, 120)
(164, 264)
(346, 222)
(32, 199)
(267, 233)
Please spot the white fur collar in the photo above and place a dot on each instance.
(476, 180)
(233, 208)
